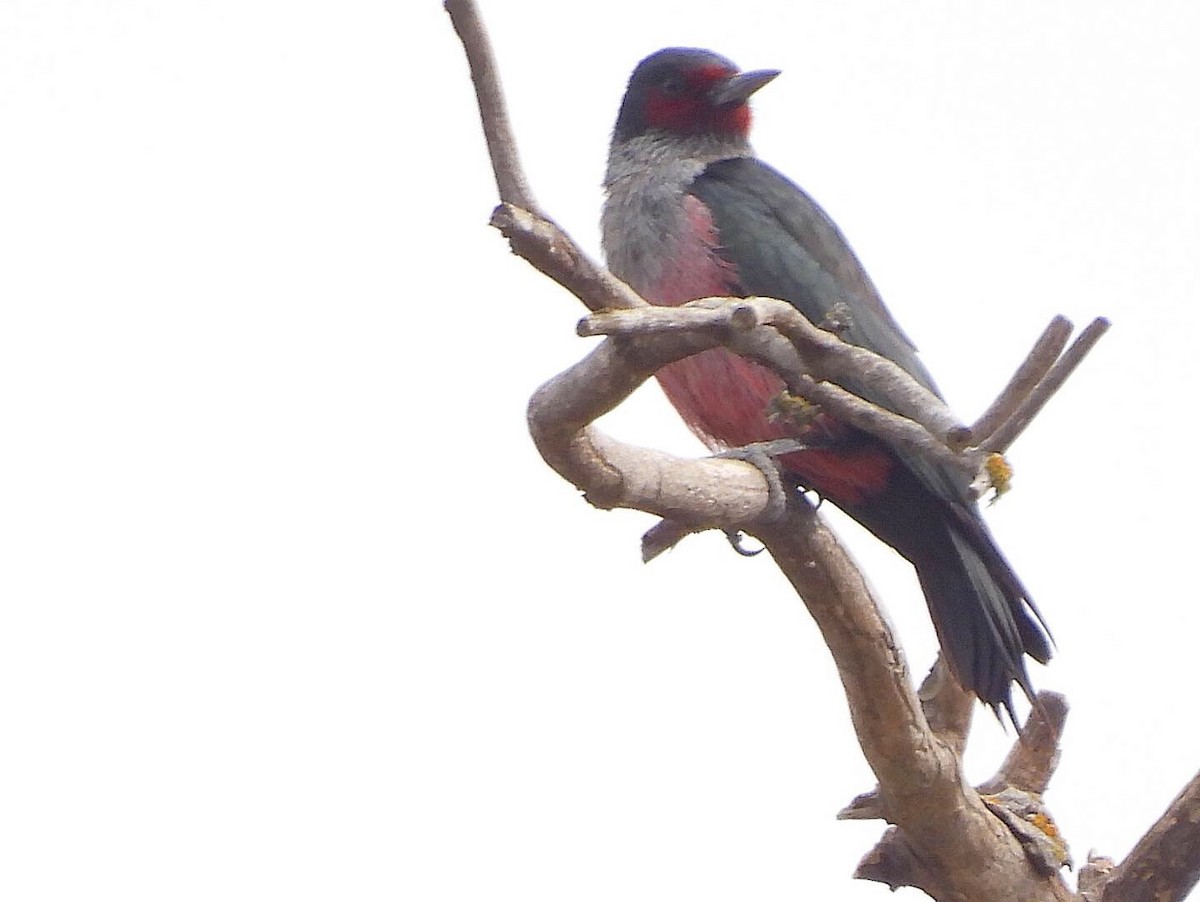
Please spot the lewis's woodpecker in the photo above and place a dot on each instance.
(692, 213)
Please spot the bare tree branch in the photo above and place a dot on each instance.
(815, 355)
(947, 706)
(1031, 371)
(1034, 756)
(1094, 874)
(1003, 437)
(710, 492)
(828, 358)
(493, 111)
(1165, 864)
(1013, 794)
(555, 253)
(823, 358)
(893, 863)
(948, 709)
(967, 854)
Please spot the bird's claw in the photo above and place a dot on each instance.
(762, 455)
(735, 537)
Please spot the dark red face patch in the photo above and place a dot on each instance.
(682, 104)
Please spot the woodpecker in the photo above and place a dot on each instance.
(691, 212)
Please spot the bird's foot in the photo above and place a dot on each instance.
(837, 320)
(762, 455)
(792, 410)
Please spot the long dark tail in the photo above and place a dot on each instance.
(985, 620)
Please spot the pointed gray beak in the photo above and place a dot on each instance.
(738, 88)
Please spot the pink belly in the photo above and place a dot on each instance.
(724, 400)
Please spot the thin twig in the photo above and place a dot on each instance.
(663, 536)
(552, 251)
(830, 359)
(1032, 370)
(493, 111)
(914, 417)
(892, 428)
(1003, 437)
(693, 317)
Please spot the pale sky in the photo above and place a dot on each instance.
(292, 609)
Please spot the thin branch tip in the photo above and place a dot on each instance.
(1062, 365)
(511, 183)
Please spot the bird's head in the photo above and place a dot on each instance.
(688, 92)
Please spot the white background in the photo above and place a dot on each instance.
(290, 608)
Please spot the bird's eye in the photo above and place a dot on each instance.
(672, 86)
